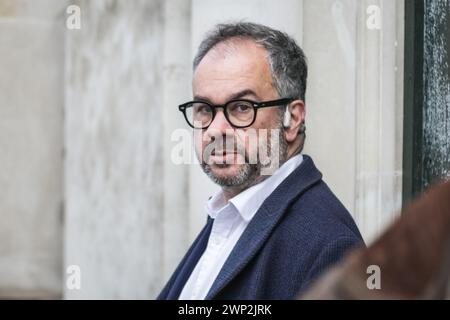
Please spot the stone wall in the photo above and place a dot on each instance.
(87, 117)
(31, 147)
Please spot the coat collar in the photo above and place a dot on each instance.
(264, 221)
(247, 203)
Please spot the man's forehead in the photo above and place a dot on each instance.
(234, 55)
(237, 94)
(233, 67)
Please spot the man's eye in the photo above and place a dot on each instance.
(243, 108)
(202, 109)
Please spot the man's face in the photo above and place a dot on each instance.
(233, 70)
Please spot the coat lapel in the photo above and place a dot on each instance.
(176, 284)
(264, 222)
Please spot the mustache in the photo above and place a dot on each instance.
(224, 146)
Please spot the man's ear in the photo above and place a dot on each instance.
(297, 113)
(287, 118)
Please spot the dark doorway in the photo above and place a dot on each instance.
(426, 148)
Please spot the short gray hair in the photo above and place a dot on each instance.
(286, 59)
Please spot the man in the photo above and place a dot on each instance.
(267, 236)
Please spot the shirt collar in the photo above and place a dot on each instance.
(248, 201)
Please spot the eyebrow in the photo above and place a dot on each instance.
(238, 95)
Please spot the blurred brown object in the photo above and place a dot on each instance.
(413, 256)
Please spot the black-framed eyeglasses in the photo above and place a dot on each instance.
(240, 113)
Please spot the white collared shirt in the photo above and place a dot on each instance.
(230, 220)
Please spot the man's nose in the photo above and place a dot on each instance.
(219, 124)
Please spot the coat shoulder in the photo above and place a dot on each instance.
(319, 216)
(317, 230)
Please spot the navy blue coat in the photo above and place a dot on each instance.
(300, 230)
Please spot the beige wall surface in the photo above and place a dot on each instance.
(88, 116)
(31, 148)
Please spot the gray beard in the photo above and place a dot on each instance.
(249, 174)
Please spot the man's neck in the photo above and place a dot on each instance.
(231, 192)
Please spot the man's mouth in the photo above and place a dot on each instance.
(223, 157)
(222, 152)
